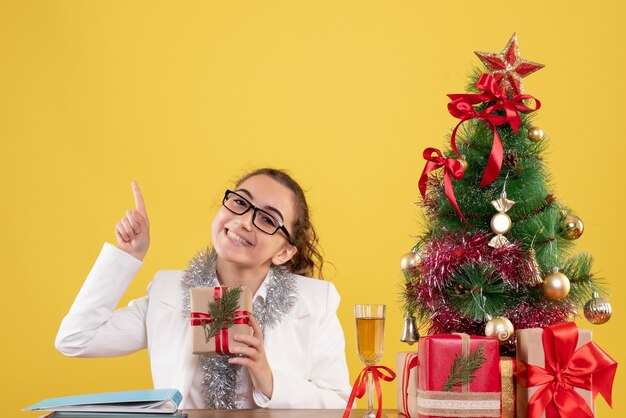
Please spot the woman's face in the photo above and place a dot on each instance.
(237, 240)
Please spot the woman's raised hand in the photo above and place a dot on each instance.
(133, 231)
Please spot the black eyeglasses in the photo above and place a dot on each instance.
(239, 205)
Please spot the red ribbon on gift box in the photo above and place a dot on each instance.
(588, 368)
(410, 362)
(360, 386)
(462, 107)
(221, 338)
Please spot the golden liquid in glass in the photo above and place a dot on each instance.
(369, 339)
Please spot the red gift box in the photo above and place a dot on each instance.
(480, 398)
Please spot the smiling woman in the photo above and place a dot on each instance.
(262, 239)
(238, 238)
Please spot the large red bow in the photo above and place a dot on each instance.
(360, 385)
(589, 368)
(462, 107)
(451, 167)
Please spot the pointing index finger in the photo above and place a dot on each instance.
(139, 204)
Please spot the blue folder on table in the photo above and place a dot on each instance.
(164, 401)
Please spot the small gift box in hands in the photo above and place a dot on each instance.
(217, 314)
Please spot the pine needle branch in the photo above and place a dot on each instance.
(463, 369)
(222, 312)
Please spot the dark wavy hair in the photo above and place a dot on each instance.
(308, 259)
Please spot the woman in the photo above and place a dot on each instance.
(262, 238)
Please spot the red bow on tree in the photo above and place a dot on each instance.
(451, 168)
(588, 368)
(462, 107)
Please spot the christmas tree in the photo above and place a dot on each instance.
(497, 251)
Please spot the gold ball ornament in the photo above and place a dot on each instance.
(572, 227)
(410, 260)
(597, 310)
(500, 328)
(464, 163)
(501, 223)
(556, 286)
(535, 133)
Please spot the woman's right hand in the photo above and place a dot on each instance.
(133, 231)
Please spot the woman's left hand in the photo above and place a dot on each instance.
(255, 359)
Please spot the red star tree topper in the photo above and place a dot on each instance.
(508, 68)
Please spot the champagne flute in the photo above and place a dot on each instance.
(370, 330)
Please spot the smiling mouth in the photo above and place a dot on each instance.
(238, 238)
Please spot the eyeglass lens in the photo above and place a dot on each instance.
(261, 219)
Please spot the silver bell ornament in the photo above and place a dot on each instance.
(409, 331)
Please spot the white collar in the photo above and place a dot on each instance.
(261, 292)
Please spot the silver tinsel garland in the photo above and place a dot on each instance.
(219, 381)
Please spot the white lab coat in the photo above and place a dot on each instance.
(306, 351)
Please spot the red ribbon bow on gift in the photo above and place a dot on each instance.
(462, 107)
(588, 368)
(451, 167)
(221, 338)
(360, 385)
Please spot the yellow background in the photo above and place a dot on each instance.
(185, 96)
